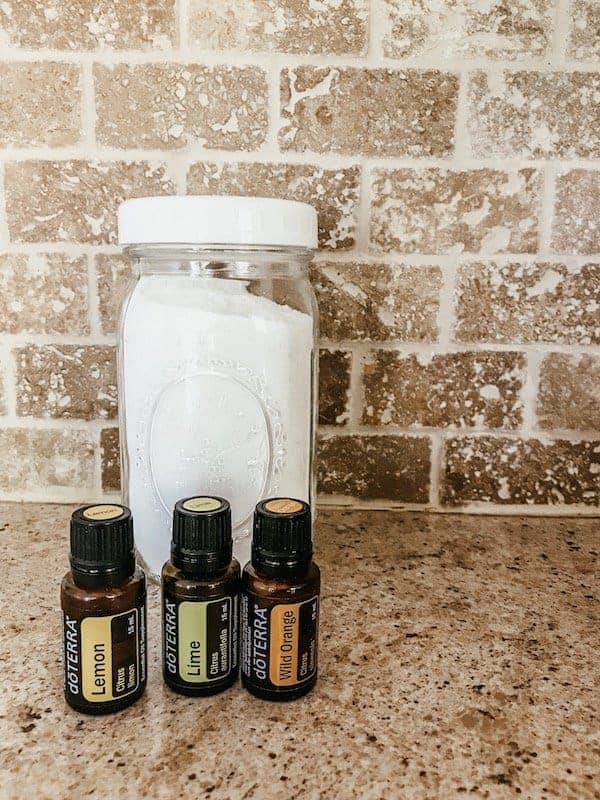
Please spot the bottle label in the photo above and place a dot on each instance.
(279, 641)
(199, 638)
(105, 657)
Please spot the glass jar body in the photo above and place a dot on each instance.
(217, 385)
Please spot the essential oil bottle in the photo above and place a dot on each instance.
(200, 587)
(280, 603)
(103, 599)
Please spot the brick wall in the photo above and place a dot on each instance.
(452, 150)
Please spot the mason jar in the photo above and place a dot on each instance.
(216, 359)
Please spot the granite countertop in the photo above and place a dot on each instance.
(459, 657)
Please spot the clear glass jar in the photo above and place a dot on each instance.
(217, 383)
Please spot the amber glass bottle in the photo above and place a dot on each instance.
(103, 599)
(280, 603)
(200, 587)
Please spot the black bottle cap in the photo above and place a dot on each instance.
(102, 540)
(202, 541)
(282, 533)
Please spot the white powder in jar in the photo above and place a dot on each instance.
(216, 399)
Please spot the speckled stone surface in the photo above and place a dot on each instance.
(457, 659)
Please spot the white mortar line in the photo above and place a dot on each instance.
(97, 471)
(333, 160)
(59, 339)
(66, 248)
(8, 378)
(446, 310)
(66, 495)
(90, 426)
(88, 107)
(61, 495)
(462, 139)
(529, 392)
(183, 17)
(274, 103)
(373, 258)
(391, 431)
(4, 234)
(542, 64)
(454, 432)
(448, 260)
(348, 255)
(93, 298)
(567, 434)
(436, 466)
(374, 56)
(197, 55)
(547, 211)
(438, 347)
(576, 510)
(363, 208)
(269, 153)
(177, 167)
(561, 33)
(357, 389)
(397, 345)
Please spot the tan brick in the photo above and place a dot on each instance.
(584, 41)
(377, 112)
(109, 454)
(446, 211)
(443, 29)
(334, 386)
(113, 277)
(66, 381)
(576, 226)
(43, 293)
(394, 468)
(535, 114)
(88, 24)
(333, 192)
(532, 472)
(287, 26)
(525, 302)
(33, 460)
(41, 104)
(377, 301)
(451, 389)
(175, 105)
(61, 201)
(569, 392)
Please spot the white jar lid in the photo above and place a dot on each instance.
(221, 220)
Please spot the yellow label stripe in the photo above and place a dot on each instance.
(283, 655)
(192, 641)
(96, 659)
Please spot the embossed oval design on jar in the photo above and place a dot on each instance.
(202, 428)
